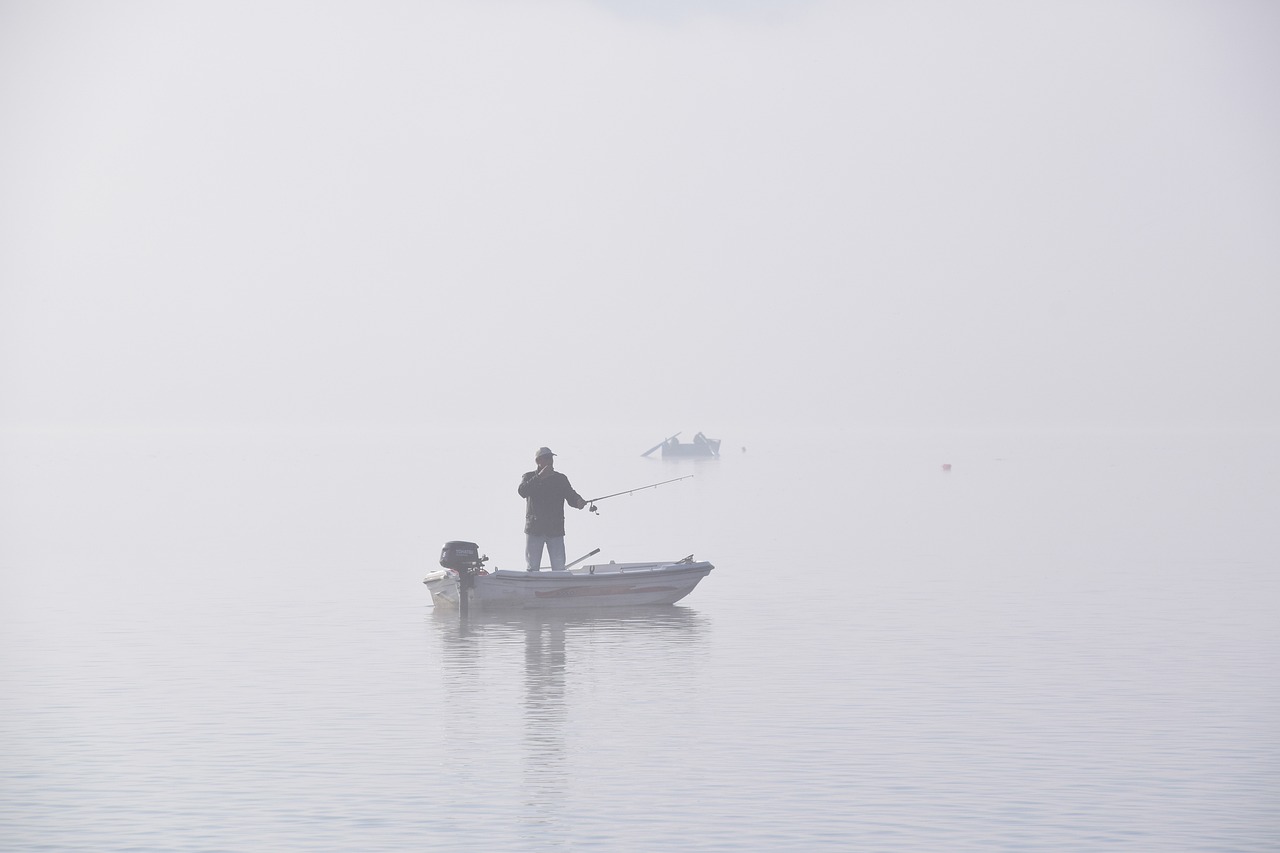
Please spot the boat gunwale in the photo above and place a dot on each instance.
(615, 571)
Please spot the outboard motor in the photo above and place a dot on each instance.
(461, 555)
(464, 558)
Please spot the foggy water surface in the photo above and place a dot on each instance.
(220, 642)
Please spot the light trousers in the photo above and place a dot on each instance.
(533, 551)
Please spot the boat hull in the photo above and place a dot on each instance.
(608, 585)
(708, 450)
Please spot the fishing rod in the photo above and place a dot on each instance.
(592, 502)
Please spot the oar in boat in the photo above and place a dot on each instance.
(659, 444)
(583, 557)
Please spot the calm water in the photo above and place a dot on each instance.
(221, 642)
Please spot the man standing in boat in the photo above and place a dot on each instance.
(546, 491)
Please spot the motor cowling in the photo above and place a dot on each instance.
(460, 555)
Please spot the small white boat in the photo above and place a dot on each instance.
(605, 585)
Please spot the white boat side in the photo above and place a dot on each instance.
(604, 585)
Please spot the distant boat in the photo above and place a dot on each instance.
(605, 585)
(701, 446)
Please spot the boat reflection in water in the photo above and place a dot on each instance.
(575, 665)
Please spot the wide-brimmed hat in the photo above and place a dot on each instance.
(543, 451)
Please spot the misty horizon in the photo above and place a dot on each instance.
(811, 213)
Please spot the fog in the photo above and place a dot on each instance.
(706, 215)
(291, 291)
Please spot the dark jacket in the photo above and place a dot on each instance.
(545, 498)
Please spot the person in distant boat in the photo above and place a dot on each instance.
(545, 492)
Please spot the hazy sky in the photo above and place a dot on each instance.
(695, 214)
